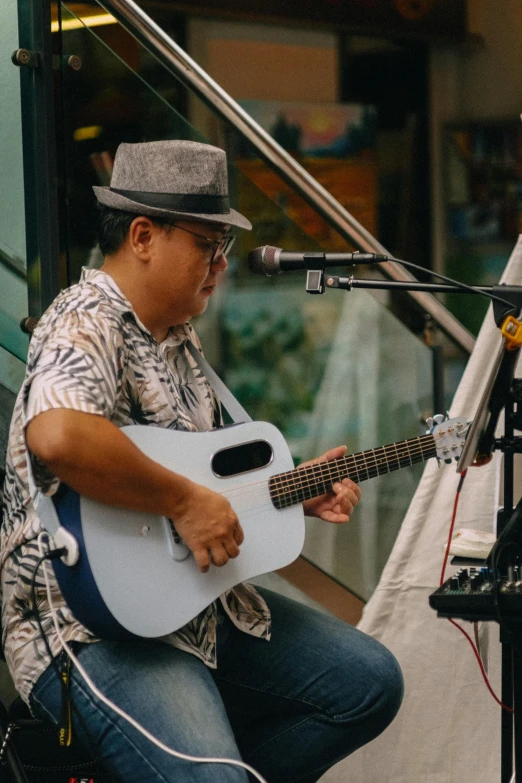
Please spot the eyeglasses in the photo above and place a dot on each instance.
(220, 246)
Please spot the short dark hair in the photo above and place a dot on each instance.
(114, 225)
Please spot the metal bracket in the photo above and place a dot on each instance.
(32, 60)
(512, 331)
(28, 324)
(26, 58)
(315, 264)
(72, 61)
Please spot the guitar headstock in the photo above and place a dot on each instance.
(449, 436)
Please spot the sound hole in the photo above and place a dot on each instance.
(242, 458)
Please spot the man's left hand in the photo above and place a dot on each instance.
(336, 506)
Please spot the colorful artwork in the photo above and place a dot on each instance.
(337, 130)
(335, 143)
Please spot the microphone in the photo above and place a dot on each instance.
(270, 260)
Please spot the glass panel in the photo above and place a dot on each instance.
(376, 389)
(12, 338)
(13, 283)
(325, 369)
(12, 371)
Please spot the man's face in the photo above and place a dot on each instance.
(184, 277)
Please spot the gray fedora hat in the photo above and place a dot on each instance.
(171, 178)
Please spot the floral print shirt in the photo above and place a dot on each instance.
(91, 353)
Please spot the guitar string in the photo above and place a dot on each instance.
(291, 497)
(353, 462)
(313, 485)
(316, 473)
(368, 463)
(424, 444)
(320, 471)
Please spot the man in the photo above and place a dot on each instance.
(255, 676)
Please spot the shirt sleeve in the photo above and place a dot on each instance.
(78, 367)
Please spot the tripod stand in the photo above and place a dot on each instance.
(509, 528)
(503, 392)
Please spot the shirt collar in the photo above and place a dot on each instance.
(108, 287)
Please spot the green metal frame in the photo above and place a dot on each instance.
(39, 99)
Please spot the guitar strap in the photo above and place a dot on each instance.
(44, 505)
(235, 410)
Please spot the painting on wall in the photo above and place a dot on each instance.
(336, 144)
(318, 130)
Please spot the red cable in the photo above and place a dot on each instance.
(473, 646)
(482, 670)
(453, 518)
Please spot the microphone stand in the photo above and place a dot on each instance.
(510, 292)
(506, 394)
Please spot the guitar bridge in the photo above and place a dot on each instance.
(178, 549)
(175, 535)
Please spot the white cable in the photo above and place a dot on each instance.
(99, 695)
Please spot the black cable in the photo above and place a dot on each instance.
(54, 554)
(454, 282)
(35, 612)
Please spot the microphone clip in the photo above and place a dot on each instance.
(315, 264)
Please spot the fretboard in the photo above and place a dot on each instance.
(300, 484)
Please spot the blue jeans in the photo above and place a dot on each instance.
(291, 707)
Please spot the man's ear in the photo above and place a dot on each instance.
(141, 233)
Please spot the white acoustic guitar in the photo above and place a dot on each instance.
(135, 576)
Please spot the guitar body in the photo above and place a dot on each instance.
(134, 576)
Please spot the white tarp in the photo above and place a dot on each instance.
(448, 729)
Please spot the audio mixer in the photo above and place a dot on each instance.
(473, 594)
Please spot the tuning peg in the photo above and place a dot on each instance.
(438, 418)
(429, 422)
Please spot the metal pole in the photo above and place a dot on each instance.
(39, 153)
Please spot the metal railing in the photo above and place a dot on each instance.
(13, 264)
(169, 53)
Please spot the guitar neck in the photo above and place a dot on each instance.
(294, 486)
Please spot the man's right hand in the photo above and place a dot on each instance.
(208, 525)
(95, 458)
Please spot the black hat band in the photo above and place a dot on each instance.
(196, 203)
